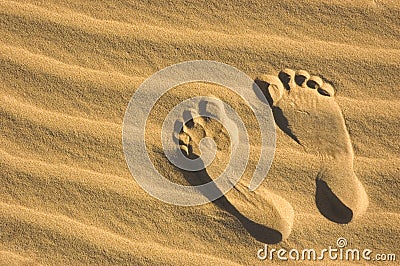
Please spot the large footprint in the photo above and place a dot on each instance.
(305, 109)
(266, 209)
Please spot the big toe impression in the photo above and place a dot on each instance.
(287, 78)
(272, 88)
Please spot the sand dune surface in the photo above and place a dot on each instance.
(68, 70)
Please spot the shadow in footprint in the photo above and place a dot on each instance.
(330, 206)
(259, 232)
(279, 117)
(327, 202)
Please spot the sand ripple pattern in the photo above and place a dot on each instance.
(68, 70)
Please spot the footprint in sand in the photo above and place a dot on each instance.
(305, 109)
(207, 125)
(267, 214)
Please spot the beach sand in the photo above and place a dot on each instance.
(69, 68)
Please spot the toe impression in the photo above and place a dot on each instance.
(314, 82)
(326, 89)
(273, 88)
(287, 78)
(301, 77)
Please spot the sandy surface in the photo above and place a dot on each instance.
(68, 71)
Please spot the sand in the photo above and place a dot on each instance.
(69, 69)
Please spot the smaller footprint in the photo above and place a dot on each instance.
(263, 209)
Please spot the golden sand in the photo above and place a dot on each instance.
(69, 68)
